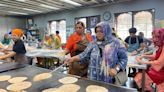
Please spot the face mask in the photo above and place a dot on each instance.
(99, 42)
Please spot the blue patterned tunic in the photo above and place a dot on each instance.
(104, 56)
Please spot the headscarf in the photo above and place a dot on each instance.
(106, 31)
(160, 34)
(17, 32)
(105, 48)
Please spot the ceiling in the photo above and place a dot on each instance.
(33, 7)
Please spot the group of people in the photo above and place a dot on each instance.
(52, 41)
(102, 59)
(18, 49)
(105, 57)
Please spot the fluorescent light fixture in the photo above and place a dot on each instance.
(32, 10)
(3, 5)
(71, 2)
(21, 0)
(18, 13)
(50, 7)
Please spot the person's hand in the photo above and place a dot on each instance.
(68, 60)
(139, 59)
(133, 53)
(112, 72)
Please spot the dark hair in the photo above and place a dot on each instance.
(81, 23)
(57, 32)
(113, 28)
(96, 28)
(114, 34)
(132, 30)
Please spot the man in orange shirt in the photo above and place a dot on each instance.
(76, 44)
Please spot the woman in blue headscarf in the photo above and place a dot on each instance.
(107, 55)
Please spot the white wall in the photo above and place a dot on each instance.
(8, 23)
(134, 5)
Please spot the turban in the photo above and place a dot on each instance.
(17, 32)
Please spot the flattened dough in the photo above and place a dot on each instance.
(19, 86)
(53, 90)
(17, 79)
(5, 77)
(69, 88)
(68, 80)
(2, 90)
(95, 88)
(42, 76)
(64, 88)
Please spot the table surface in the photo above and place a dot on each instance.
(133, 63)
(46, 53)
(31, 71)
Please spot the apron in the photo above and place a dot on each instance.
(76, 68)
(21, 58)
(134, 46)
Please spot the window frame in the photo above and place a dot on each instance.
(152, 11)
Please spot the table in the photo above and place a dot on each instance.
(31, 71)
(55, 55)
(46, 53)
(132, 63)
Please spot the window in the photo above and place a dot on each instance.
(142, 20)
(124, 22)
(59, 25)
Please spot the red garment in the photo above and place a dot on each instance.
(156, 76)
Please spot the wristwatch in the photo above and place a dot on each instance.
(117, 68)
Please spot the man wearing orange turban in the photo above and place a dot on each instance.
(18, 48)
(17, 32)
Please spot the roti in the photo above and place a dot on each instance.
(69, 88)
(17, 79)
(2, 90)
(95, 88)
(53, 90)
(42, 76)
(19, 86)
(68, 80)
(5, 77)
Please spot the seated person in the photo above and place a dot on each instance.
(56, 43)
(6, 40)
(147, 41)
(155, 73)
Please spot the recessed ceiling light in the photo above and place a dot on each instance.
(32, 10)
(18, 13)
(71, 2)
(50, 7)
(3, 5)
(21, 0)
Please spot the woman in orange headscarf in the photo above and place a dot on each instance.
(18, 48)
